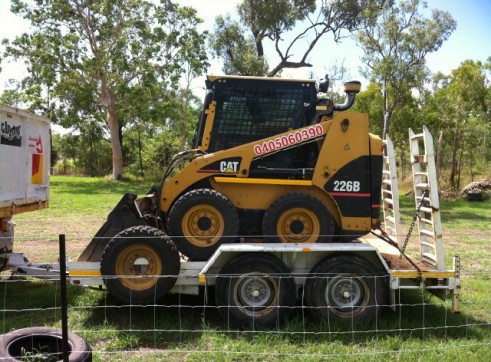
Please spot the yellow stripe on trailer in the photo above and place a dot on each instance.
(84, 273)
(423, 274)
(263, 181)
(201, 278)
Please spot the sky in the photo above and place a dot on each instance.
(471, 40)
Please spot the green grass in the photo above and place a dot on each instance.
(78, 208)
(86, 196)
(422, 329)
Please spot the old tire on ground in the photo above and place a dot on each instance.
(255, 291)
(298, 218)
(200, 221)
(43, 344)
(345, 287)
(147, 257)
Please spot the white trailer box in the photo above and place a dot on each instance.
(25, 149)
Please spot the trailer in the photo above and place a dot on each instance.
(259, 284)
(24, 168)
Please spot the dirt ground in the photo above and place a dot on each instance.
(38, 238)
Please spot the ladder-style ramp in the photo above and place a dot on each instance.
(390, 195)
(426, 197)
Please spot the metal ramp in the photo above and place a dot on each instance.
(426, 197)
(390, 195)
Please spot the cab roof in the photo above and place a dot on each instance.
(214, 78)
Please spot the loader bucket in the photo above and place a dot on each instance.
(124, 215)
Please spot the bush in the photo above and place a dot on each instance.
(65, 167)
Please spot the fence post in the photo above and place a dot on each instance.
(64, 307)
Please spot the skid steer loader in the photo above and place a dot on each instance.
(271, 162)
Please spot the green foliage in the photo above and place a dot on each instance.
(84, 57)
(155, 154)
(370, 101)
(455, 108)
(230, 35)
(158, 124)
(395, 47)
(84, 153)
(148, 143)
(240, 43)
(458, 111)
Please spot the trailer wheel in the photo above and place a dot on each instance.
(345, 287)
(42, 344)
(298, 218)
(201, 220)
(140, 265)
(255, 290)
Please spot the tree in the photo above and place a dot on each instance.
(151, 112)
(407, 115)
(459, 106)
(370, 101)
(241, 43)
(87, 53)
(395, 47)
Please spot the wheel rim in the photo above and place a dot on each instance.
(255, 294)
(203, 225)
(142, 263)
(298, 225)
(347, 294)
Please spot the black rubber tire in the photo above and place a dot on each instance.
(42, 342)
(365, 288)
(244, 276)
(298, 218)
(200, 221)
(149, 245)
(149, 220)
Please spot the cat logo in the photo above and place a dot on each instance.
(229, 166)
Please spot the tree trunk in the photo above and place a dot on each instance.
(387, 114)
(387, 118)
(108, 100)
(140, 151)
(459, 169)
(454, 165)
(113, 123)
(259, 43)
(439, 148)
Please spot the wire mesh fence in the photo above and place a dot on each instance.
(238, 314)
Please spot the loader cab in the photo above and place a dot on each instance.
(240, 110)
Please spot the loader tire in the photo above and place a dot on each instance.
(298, 218)
(345, 287)
(140, 265)
(150, 220)
(200, 221)
(255, 290)
(42, 344)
